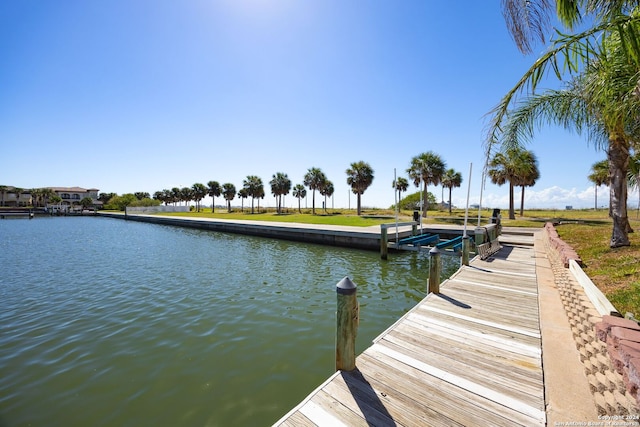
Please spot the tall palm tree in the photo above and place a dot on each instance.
(326, 189)
(606, 58)
(254, 188)
(229, 192)
(427, 168)
(400, 184)
(312, 180)
(18, 192)
(451, 179)
(299, 192)
(529, 174)
(280, 186)
(359, 177)
(510, 165)
(243, 194)
(47, 194)
(176, 195)
(199, 191)
(599, 176)
(186, 195)
(603, 103)
(213, 190)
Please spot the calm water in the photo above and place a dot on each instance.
(105, 322)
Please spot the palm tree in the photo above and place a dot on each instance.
(280, 186)
(427, 168)
(602, 100)
(512, 165)
(326, 189)
(186, 195)
(401, 184)
(633, 176)
(602, 103)
(47, 193)
(18, 192)
(528, 175)
(243, 194)
(229, 192)
(313, 179)
(299, 192)
(599, 176)
(176, 195)
(359, 177)
(198, 191)
(254, 188)
(213, 191)
(451, 179)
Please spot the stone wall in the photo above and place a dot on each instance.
(622, 337)
(565, 251)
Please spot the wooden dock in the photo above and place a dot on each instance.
(468, 356)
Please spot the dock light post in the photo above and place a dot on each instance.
(346, 325)
(435, 267)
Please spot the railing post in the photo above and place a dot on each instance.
(383, 241)
(346, 325)
(465, 250)
(414, 228)
(435, 267)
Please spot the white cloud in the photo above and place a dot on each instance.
(547, 198)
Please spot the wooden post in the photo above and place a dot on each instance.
(414, 228)
(435, 268)
(465, 250)
(346, 325)
(383, 241)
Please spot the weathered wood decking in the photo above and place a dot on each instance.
(469, 356)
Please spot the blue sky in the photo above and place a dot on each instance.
(143, 95)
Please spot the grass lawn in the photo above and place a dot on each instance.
(615, 271)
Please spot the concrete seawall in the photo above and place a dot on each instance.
(353, 237)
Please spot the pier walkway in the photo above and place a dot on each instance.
(471, 355)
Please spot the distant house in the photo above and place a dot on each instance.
(71, 197)
(14, 197)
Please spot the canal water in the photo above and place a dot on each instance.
(105, 322)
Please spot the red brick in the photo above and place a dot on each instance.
(601, 331)
(619, 321)
(634, 376)
(615, 358)
(628, 350)
(618, 334)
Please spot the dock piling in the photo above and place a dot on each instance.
(346, 325)
(465, 249)
(384, 240)
(435, 267)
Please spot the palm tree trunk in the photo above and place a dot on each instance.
(425, 201)
(618, 155)
(512, 213)
(359, 206)
(522, 202)
(596, 206)
(450, 188)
